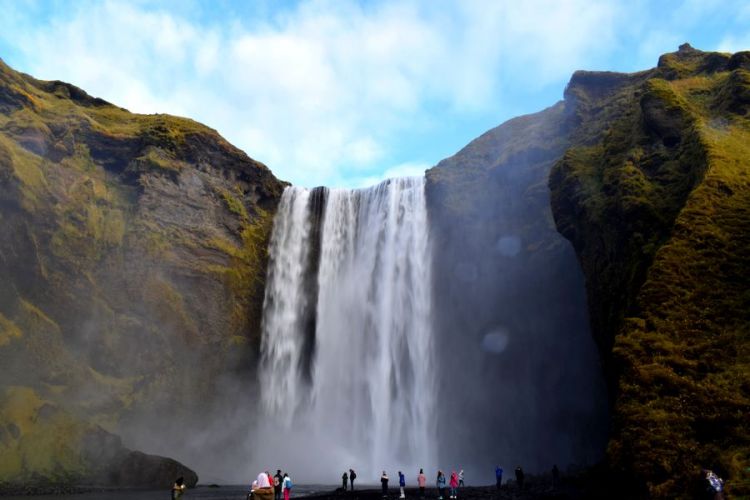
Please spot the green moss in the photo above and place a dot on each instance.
(158, 159)
(245, 274)
(28, 170)
(658, 209)
(168, 307)
(47, 442)
(8, 331)
(35, 317)
(234, 205)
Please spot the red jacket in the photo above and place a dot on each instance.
(454, 480)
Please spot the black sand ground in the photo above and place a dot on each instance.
(535, 490)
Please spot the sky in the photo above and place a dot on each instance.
(346, 93)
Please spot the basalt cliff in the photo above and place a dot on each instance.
(132, 257)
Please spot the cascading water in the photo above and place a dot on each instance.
(347, 355)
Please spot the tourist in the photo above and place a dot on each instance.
(555, 476)
(499, 476)
(352, 477)
(519, 477)
(401, 483)
(453, 484)
(461, 479)
(287, 486)
(441, 484)
(384, 484)
(277, 479)
(715, 484)
(263, 489)
(422, 482)
(345, 481)
(178, 488)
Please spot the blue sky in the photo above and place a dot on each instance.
(345, 93)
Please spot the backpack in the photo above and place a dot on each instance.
(288, 483)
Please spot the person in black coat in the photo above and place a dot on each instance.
(384, 484)
(519, 477)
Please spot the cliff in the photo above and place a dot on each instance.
(654, 193)
(132, 263)
(510, 296)
(647, 175)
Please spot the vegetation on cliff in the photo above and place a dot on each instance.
(132, 259)
(648, 177)
(654, 193)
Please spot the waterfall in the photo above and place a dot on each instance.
(347, 355)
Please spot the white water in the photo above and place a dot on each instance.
(369, 400)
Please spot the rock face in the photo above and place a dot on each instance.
(46, 446)
(511, 323)
(132, 263)
(655, 196)
(649, 179)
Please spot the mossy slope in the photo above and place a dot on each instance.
(655, 196)
(132, 262)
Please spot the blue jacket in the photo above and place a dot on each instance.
(441, 481)
(499, 473)
(401, 479)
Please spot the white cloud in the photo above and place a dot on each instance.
(320, 92)
(734, 43)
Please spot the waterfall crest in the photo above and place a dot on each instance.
(347, 353)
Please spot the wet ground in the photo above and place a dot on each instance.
(540, 489)
(231, 492)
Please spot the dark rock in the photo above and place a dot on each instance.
(666, 122)
(14, 431)
(139, 470)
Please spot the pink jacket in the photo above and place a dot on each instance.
(421, 480)
(454, 480)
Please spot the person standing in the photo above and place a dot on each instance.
(384, 484)
(287, 486)
(345, 480)
(715, 484)
(461, 479)
(270, 480)
(352, 477)
(401, 483)
(453, 483)
(277, 479)
(519, 477)
(178, 488)
(555, 476)
(499, 476)
(422, 482)
(440, 484)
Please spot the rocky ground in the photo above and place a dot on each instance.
(531, 490)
